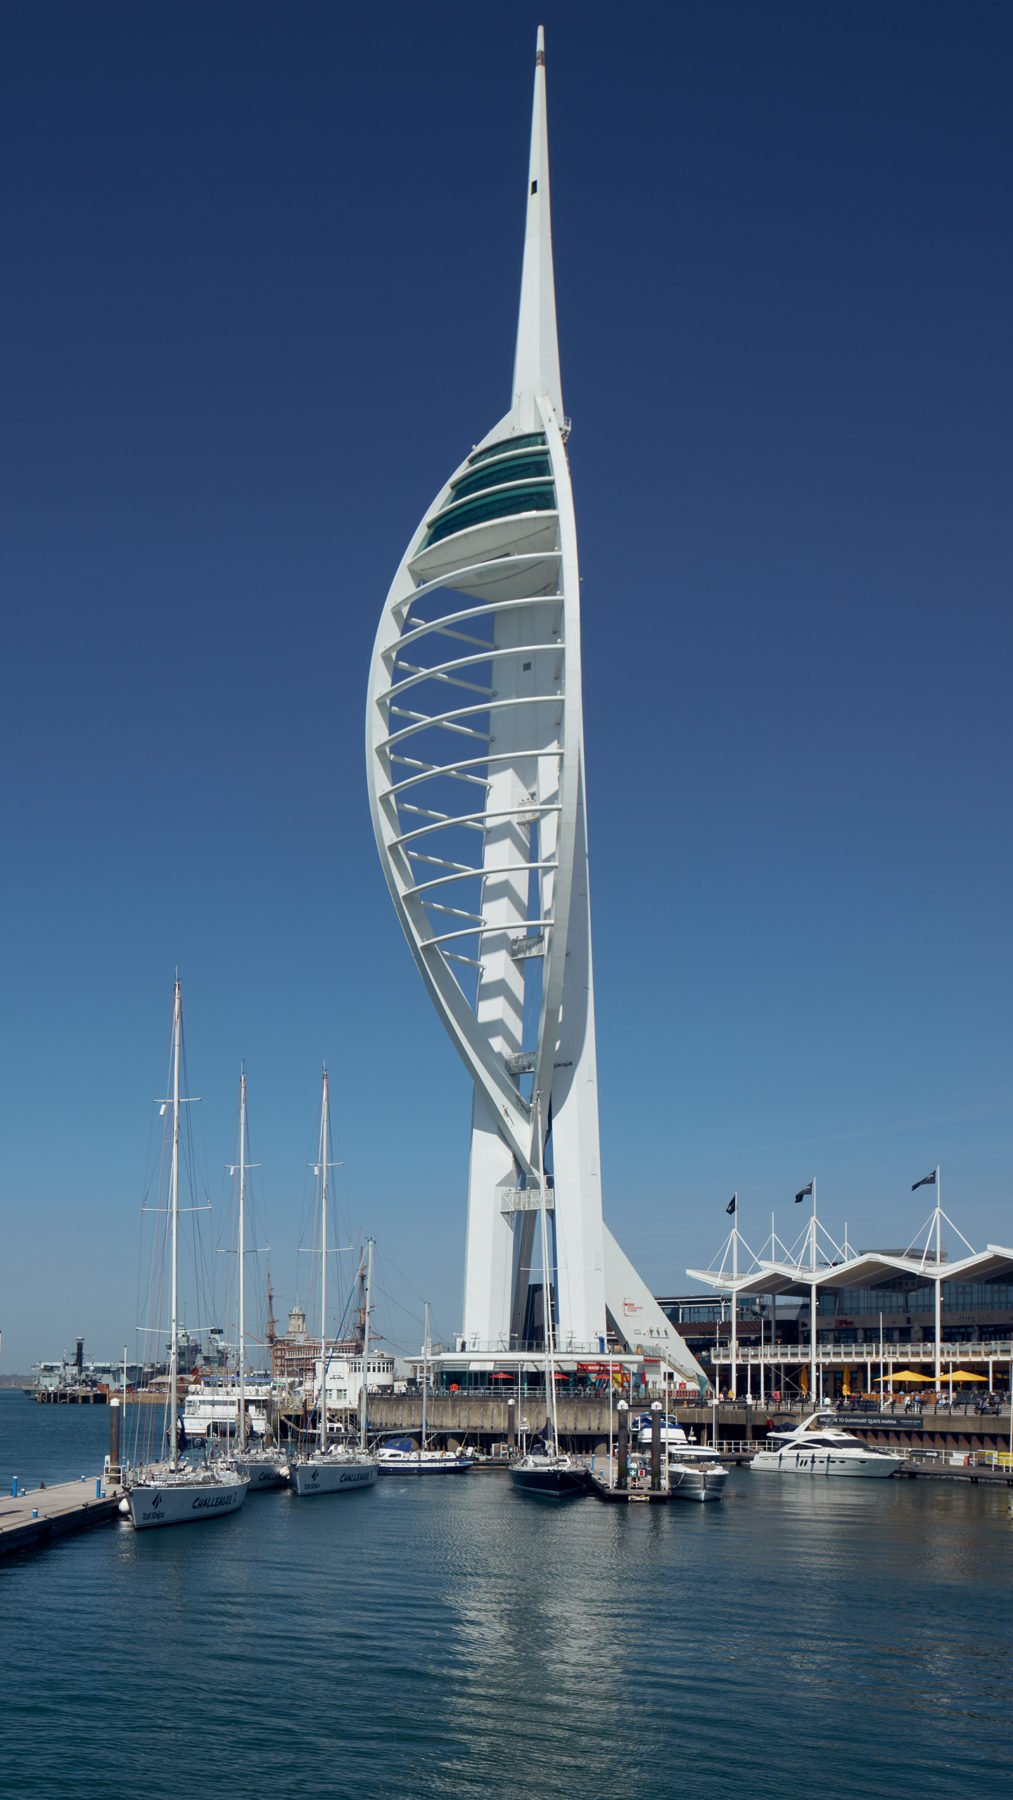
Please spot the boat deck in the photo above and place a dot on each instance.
(35, 1518)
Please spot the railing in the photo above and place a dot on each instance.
(870, 1351)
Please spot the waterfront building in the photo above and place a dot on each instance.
(825, 1329)
(475, 759)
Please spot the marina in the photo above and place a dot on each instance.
(741, 1539)
(686, 1470)
(439, 1583)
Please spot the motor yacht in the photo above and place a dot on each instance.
(698, 1480)
(819, 1447)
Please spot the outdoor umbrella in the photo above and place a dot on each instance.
(962, 1375)
(903, 1375)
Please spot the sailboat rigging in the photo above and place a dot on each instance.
(548, 1473)
(263, 1466)
(174, 1492)
(401, 1456)
(334, 1468)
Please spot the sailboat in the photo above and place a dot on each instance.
(174, 1492)
(401, 1456)
(264, 1466)
(335, 1468)
(548, 1473)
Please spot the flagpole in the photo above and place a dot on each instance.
(812, 1299)
(939, 1289)
(735, 1295)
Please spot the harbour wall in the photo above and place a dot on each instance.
(484, 1421)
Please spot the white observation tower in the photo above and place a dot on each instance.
(475, 758)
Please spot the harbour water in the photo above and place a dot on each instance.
(453, 1638)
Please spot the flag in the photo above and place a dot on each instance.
(733, 1202)
(803, 1193)
(926, 1181)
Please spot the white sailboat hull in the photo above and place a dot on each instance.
(263, 1471)
(328, 1475)
(167, 1501)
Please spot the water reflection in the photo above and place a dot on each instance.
(451, 1638)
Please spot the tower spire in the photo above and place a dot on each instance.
(536, 363)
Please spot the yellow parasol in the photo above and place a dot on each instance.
(903, 1375)
(962, 1375)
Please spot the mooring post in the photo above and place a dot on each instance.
(656, 1446)
(511, 1425)
(114, 1439)
(622, 1456)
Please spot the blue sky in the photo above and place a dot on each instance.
(260, 283)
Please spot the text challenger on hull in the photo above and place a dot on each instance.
(475, 764)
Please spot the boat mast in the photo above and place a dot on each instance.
(322, 1170)
(547, 1321)
(177, 1022)
(365, 1344)
(242, 1259)
(425, 1373)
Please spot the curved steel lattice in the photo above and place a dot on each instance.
(474, 757)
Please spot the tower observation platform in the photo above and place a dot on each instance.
(475, 767)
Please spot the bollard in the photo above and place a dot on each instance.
(98, 1487)
(35, 1512)
(655, 1446)
(622, 1455)
(14, 1487)
(511, 1425)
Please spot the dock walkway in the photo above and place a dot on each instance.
(35, 1518)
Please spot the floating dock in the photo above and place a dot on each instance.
(978, 1473)
(627, 1496)
(33, 1519)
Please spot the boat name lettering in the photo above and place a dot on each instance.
(206, 1501)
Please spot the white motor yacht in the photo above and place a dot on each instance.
(674, 1441)
(819, 1447)
(697, 1480)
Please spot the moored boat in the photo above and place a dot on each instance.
(404, 1457)
(263, 1467)
(335, 1468)
(548, 1473)
(698, 1481)
(174, 1492)
(332, 1471)
(819, 1447)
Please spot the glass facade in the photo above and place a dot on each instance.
(508, 444)
(988, 1297)
(512, 468)
(534, 497)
